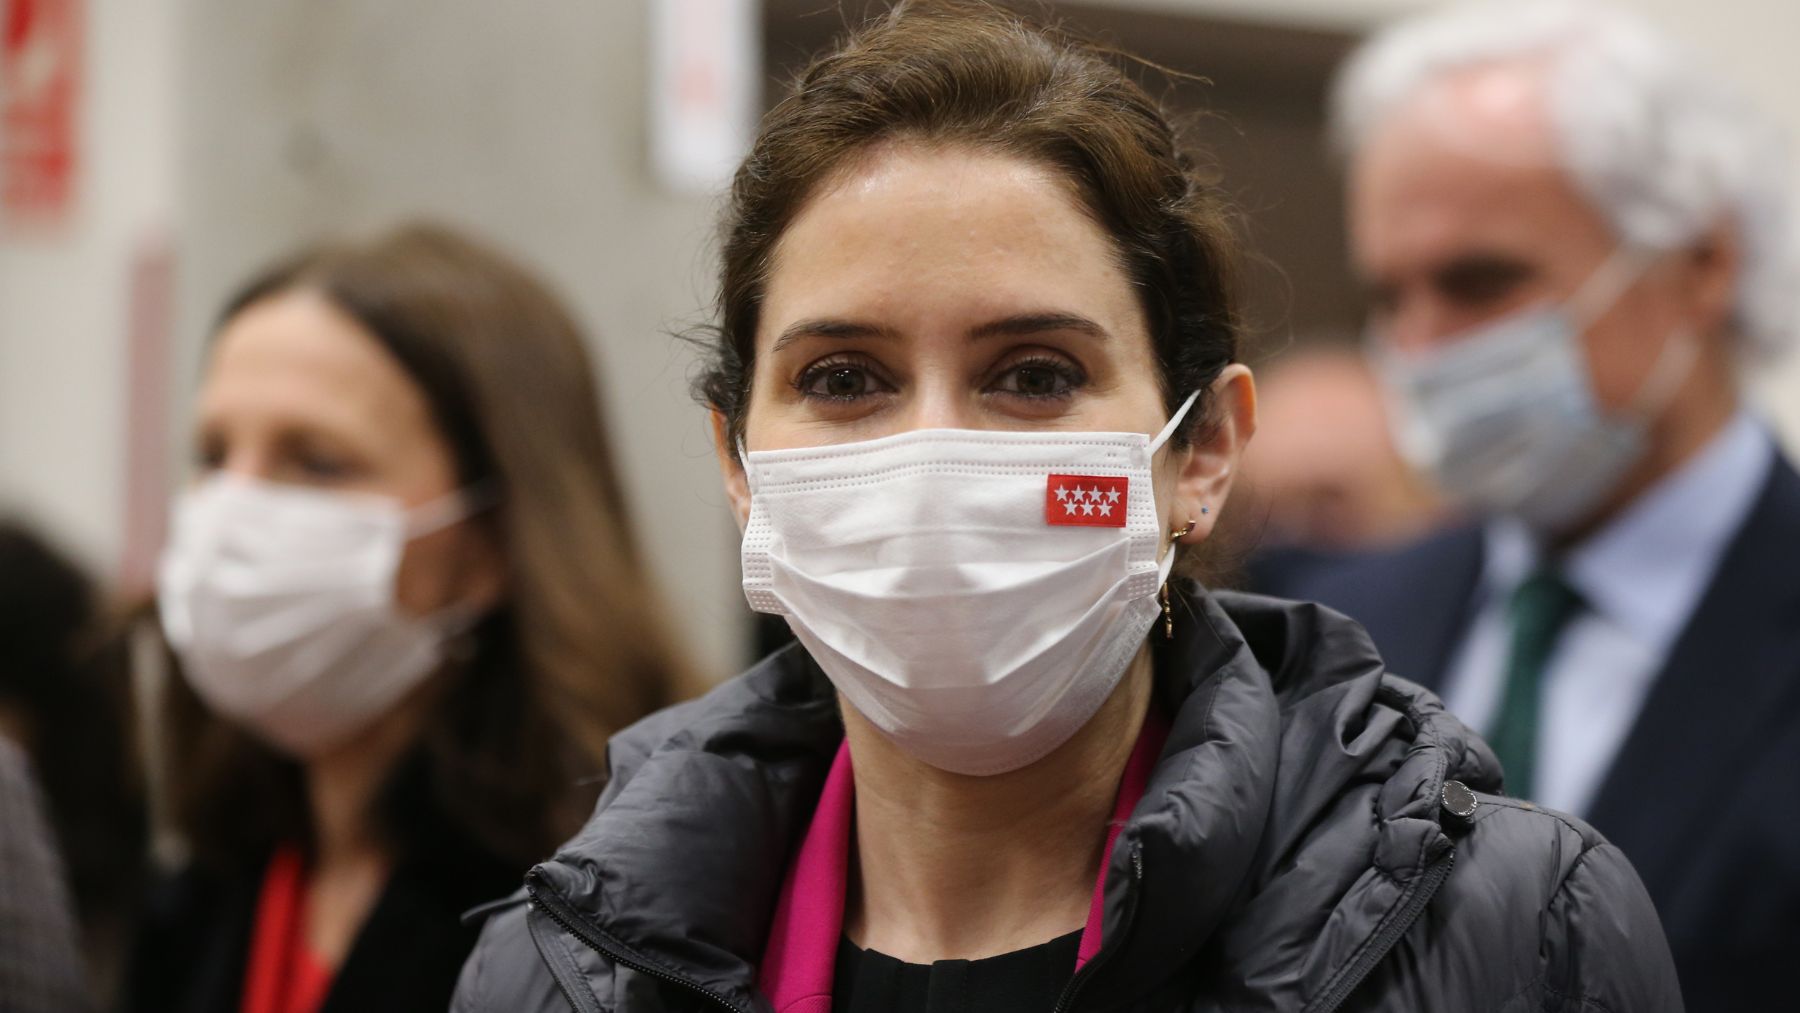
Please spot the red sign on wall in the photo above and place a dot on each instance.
(40, 84)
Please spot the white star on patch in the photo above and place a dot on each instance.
(1087, 508)
(1062, 493)
(1112, 495)
(1106, 509)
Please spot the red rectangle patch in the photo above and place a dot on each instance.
(1091, 501)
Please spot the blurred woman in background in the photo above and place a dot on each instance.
(406, 613)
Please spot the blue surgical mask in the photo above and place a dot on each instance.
(1503, 417)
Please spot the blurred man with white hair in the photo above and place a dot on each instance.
(1574, 245)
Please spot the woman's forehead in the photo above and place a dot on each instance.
(298, 357)
(912, 238)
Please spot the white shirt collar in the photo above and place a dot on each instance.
(1647, 568)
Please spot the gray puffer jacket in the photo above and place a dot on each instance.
(1293, 851)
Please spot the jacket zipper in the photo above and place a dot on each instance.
(1066, 1001)
(571, 991)
(552, 904)
(1422, 893)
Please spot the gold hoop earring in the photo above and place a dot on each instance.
(1176, 535)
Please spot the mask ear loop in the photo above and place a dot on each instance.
(1608, 283)
(1174, 422)
(453, 621)
(451, 508)
(1679, 350)
(744, 463)
(1673, 364)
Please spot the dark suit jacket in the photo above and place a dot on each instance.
(1704, 794)
(195, 944)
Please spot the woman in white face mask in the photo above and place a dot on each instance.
(405, 615)
(975, 394)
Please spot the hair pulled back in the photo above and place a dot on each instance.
(970, 73)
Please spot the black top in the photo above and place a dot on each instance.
(1023, 981)
(194, 946)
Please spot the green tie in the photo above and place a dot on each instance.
(1540, 608)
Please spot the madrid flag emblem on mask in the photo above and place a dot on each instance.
(1093, 501)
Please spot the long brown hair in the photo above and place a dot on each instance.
(514, 746)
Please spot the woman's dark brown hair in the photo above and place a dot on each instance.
(972, 74)
(514, 746)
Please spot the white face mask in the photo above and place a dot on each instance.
(279, 600)
(975, 595)
(1503, 418)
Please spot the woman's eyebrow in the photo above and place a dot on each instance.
(1018, 325)
(829, 328)
(1025, 324)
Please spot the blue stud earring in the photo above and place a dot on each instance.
(1206, 509)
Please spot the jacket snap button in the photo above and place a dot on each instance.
(1458, 800)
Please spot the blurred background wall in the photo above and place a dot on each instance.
(66, 286)
(214, 134)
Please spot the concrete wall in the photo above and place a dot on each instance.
(65, 292)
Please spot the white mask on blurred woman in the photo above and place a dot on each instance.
(1504, 419)
(279, 601)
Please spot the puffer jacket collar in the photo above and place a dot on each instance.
(1238, 872)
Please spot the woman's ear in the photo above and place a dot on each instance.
(731, 470)
(1209, 464)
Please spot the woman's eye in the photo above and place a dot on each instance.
(309, 462)
(1039, 380)
(323, 467)
(839, 382)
